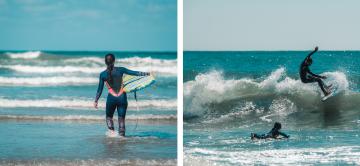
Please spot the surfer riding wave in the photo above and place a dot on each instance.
(308, 77)
(117, 98)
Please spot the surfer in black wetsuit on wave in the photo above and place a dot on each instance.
(308, 77)
(273, 133)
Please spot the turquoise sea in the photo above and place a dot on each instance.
(228, 95)
(47, 115)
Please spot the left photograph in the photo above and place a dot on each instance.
(88, 82)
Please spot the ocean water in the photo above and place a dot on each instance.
(47, 115)
(228, 95)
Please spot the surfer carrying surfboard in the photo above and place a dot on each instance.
(308, 77)
(273, 133)
(117, 98)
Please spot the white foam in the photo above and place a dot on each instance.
(52, 69)
(48, 81)
(163, 70)
(89, 162)
(24, 55)
(131, 61)
(61, 103)
(212, 88)
(87, 117)
(299, 156)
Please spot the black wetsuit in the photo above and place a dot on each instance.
(116, 99)
(308, 77)
(274, 133)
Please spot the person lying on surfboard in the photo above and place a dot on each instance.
(274, 133)
(308, 77)
(116, 98)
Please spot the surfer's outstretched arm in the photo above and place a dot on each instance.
(284, 135)
(135, 73)
(311, 53)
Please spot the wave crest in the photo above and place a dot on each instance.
(24, 55)
(211, 92)
(6, 103)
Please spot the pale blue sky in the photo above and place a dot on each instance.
(271, 24)
(130, 25)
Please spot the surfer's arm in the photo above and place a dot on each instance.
(135, 73)
(315, 75)
(311, 53)
(284, 135)
(100, 88)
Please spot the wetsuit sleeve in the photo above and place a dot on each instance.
(135, 73)
(284, 135)
(307, 57)
(100, 88)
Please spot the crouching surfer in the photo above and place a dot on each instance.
(308, 77)
(274, 133)
(116, 98)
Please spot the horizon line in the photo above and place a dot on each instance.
(259, 50)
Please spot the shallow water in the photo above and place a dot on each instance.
(229, 95)
(47, 117)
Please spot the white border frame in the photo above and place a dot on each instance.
(180, 144)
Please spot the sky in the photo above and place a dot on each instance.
(271, 24)
(92, 25)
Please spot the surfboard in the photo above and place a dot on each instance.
(135, 83)
(334, 92)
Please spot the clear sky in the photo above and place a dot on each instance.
(132, 25)
(271, 24)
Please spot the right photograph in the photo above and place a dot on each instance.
(271, 82)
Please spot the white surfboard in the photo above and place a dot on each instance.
(135, 83)
(333, 92)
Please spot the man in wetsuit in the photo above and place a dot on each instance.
(273, 133)
(308, 77)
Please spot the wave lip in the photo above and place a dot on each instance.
(53, 103)
(48, 81)
(87, 117)
(24, 55)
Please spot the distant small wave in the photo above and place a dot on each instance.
(87, 117)
(131, 61)
(53, 103)
(167, 70)
(24, 55)
(46, 81)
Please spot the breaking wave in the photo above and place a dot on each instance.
(47, 81)
(211, 95)
(87, 117)
(53, 103)
(24, 55)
